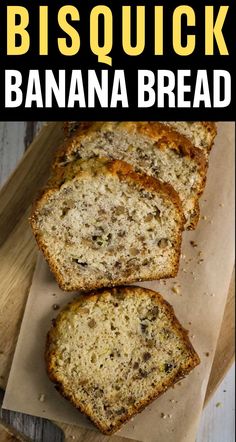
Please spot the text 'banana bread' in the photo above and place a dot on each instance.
(150, 147)
(112, 352)
(101, 224)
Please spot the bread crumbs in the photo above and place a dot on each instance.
(176, 289)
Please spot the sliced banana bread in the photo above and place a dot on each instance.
(200, 133)
(101, 224)
(114, 351)
(152, 148)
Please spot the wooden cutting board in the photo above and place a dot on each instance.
(8, 434)
(18, 256)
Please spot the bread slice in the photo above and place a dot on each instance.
(114, 351)
(152, 148)
(101, 224)
(200, 133)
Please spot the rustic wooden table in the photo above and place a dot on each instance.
(217, 424)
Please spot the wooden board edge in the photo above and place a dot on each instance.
(23, 184)
(9, 434)
(213, 381)
(225, 349)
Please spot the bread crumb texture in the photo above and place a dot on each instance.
(112, 352)
(152, 148)
(200, 133)
(100, 224)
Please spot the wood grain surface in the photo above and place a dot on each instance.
(225, 350)
(17, 256)
(7, 434)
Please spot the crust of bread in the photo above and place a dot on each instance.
(212, 129)
(194, 218)
(163, 136)
(119, 168)
(184, 369)
(71, 126)
(124, 172)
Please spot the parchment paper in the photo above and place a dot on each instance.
(204, 277)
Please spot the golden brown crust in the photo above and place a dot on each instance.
(71, 126)
(194, 217)
(124, 172)
(194, 359)
(212, 129)
(162, 135)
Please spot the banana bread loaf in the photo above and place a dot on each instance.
(200, 133)
(152, 148)
(114, 351)
(101, 224)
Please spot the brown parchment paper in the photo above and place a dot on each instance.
(199, 307)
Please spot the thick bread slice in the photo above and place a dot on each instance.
(200, 133)
(101, 224)
(113, 352)
(152, 148)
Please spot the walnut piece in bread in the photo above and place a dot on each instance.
(114, 351)
(150, 147)
(101, 224)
